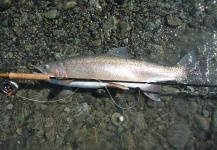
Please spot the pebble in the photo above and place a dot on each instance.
(10, 106)
(69, 5)
(76, 134)
(192, 107)
(52, 14)
(19, 131)
(124, 26)
(119, 2)
(200, 123)
(43, 107)
(208, 21)
(181, 107)
(4, 4)
(18, 31)
(205, 113)
(49, 122)
(97, 42)
(214, 120)
(177, 135)
(201, 135)
(110, 24)
(67, 109)
(117, 119)
(173, 21)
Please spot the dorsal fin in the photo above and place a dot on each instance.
(120, 52)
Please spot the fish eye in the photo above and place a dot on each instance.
(45, 67)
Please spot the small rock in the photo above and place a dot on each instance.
(50, 135)
(52, 14)
(67, 109)
(192, 107)
(177, 135)
(123, 26)
(200, 123)
(76, 135)
(69, 5)
(119, 2)
(214, 120)
(150, 26)
(18, 31)
(205, 113)
(208, 21)
(109, 25)
(43, 107)
(81, 111)
(173, 21)
(4, 4)
(19, 131)
(96, 42)
(148, 142)
(49, 122)
(117, 119)
(152, 104)
(10, 106)
(181, 107)
(201, 135)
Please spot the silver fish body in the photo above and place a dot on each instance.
(108, 67)
(112, 67)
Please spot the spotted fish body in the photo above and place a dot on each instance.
(115, 68)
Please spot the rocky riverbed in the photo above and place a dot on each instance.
(33, 32)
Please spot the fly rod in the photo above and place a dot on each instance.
(46, 77)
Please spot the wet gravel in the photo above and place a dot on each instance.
(37, 31)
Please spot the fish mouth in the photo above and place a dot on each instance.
(37, 70)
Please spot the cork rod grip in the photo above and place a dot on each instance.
(29, 76)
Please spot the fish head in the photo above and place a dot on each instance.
(54, 69)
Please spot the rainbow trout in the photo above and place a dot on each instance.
(115, 66)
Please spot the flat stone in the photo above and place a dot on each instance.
(177, 135)
(181, 107)
(4, 4)
(173, 21)
(52, 14)
(69, 5)
(10, 106)
(19, 131)
(43, 107)
(214, 120)
(200, 123)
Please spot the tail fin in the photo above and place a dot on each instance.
(192, 68)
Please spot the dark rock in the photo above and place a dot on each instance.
(201, 135)
(173, 21)
(181, 107)
(119, 2)
(200, 123)
(192, 107)
(177, 135)
(214, 120)
(52, 14)
(4, 4)
(208, 21)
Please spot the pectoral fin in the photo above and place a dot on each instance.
(66, 91)
(115, 85)
(152, 91)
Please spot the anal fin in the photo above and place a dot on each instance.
(152, 91)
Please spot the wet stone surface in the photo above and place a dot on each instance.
(34, 32)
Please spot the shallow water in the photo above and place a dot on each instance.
(35, 32)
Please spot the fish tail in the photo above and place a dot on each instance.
(191, 65)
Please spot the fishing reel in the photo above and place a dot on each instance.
(8, 87)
